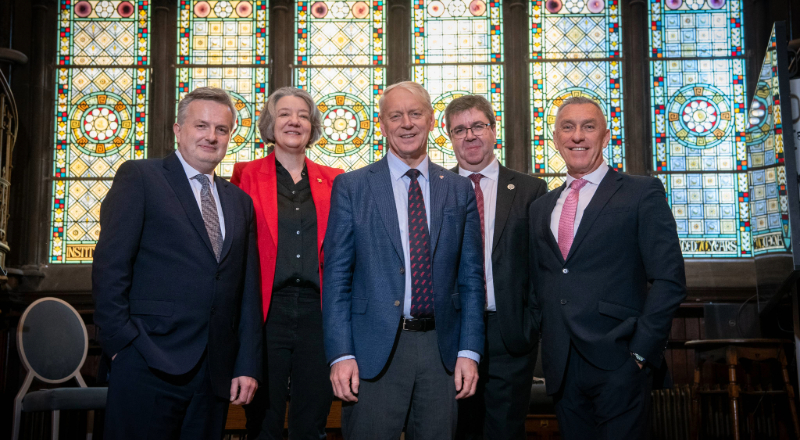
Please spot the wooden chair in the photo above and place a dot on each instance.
(730, 351)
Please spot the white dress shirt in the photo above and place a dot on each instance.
(197, 188)
(584, 197)
(491, 174)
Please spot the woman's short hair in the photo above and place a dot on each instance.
(206, 94)
(266, 121)
(411, 87)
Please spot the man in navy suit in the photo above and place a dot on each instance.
(403, 294)
(596, 243)
(175, 284)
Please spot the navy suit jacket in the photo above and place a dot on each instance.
(364, 276)
(157, 284)
(598, 298)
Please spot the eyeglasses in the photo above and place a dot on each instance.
(461, 132)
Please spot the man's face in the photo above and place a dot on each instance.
(203, 137)
(580, 137)
(473, 152)
(406, 121)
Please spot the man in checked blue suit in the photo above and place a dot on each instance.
(403, 293)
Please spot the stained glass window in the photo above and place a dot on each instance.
(101, 114)
(769, 205)
(457, 48)
(576, 50)
(340, 57)
(697, 75)
(224, 44)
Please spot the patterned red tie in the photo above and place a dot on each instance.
(419, 250)
(566, 224)
(476, 180)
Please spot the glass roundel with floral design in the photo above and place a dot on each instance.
(346, 124)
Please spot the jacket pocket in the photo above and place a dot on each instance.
(456, 300)
(616, 310)
(151, 307)
(359, 306)
(620, 210)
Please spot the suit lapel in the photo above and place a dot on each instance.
(438, 197)
(176, 176)
(547, 232)
(608, 186)
(268, 193)
(380, 183)
(226, 200)
(505, 198)
(320, 192)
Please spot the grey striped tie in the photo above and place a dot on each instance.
(210, 216)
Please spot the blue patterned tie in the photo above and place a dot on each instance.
(419, 249)
(210, 215)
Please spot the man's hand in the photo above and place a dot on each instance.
(243, 389)
(344, 378)
(466, 377)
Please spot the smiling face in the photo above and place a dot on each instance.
(292, 125)
(204, 134)
(406, 121)
(474, 153)
(580, 137)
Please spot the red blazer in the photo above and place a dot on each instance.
(258, 179)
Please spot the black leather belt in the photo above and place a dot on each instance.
(418, 325)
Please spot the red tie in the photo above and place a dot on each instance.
(476, 180)
(566, 225)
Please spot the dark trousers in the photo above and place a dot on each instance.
(295, 367)
(144, 403)
(414, 389)
(500, 404)
(601, 404)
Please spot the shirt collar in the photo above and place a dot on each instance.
(595, 177)
(492, 171)
(398, 168)
(191, 172)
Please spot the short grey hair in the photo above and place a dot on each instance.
(266, 121)
(411, 87)
(206, 94)
(582, 100)
(466, 103)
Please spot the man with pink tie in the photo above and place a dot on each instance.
(597, 242)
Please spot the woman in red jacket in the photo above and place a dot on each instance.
(291, 195)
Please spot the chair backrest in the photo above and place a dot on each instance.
(52, 340)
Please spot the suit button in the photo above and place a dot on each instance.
(563, 301)
(217, 276)
(565, 270)
(397, 303)
(402, 270)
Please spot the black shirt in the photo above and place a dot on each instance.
(297, 264)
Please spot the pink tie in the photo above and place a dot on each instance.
(566, 224)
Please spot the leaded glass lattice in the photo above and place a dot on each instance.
(101, 115)
(699, 121)
(340, 57)
(769, 204)
(224, 44)
(457, 48)
(575, 50)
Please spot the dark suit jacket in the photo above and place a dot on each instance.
(598, 298)
(157, 284)
(510, 266)
(365, 269)
(259, 180)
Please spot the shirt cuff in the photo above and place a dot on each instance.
(343, 358)
(469, 354)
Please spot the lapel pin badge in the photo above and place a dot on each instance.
(511, 186)
(319, 180)
(441, 176)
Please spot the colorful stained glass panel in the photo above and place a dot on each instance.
(101, 114)
(458, 50)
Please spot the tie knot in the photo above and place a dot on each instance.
(413, 173)
(476, 178)
(577, 184)
(203, 179)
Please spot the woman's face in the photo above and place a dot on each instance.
(292, 124)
